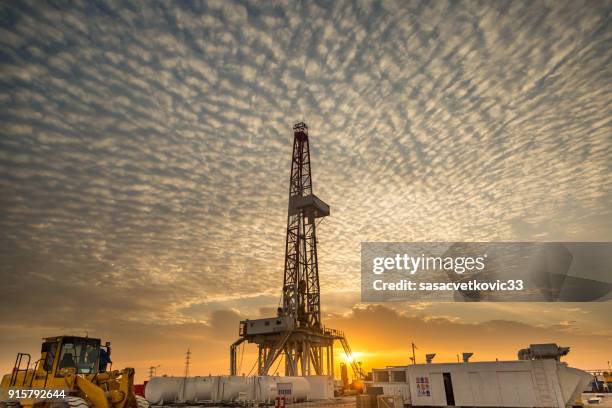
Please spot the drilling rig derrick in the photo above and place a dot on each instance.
(296, 334)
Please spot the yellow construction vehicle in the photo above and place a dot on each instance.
(607, 381)
(71, 373)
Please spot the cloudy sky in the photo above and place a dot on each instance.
(145, 152)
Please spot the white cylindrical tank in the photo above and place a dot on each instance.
(197, 389)
(167, 390)
(160, 390)
(267, 388)
(229, 388)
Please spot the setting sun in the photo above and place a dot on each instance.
(355, 356)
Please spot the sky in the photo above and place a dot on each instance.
(145, 151)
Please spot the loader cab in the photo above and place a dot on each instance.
(64, 354)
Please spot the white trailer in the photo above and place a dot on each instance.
(528, 383)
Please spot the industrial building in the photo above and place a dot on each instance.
(537, 379)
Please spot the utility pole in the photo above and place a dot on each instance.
(413, 354)
(187, 360)
(181, 396)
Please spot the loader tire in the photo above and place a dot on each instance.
(69, 402)
(141, 402)
(76, 402)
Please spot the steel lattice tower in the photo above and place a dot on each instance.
(301, 295)
(296, 333)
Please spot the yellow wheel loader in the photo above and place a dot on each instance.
(71, 373)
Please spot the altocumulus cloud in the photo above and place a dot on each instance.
(144, 147)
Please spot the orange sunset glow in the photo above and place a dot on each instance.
(146, 153)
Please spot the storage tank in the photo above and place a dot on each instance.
(267, 388)
(228, 388)
(168, 390)
(160, 390)
(197, 389)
